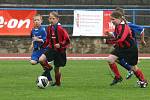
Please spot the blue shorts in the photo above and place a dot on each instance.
(36, 54)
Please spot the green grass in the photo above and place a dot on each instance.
(82, 80)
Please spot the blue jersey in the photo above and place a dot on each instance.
(41, 34)
(136, 29)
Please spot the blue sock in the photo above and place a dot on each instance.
(124, 64)
(47, 74)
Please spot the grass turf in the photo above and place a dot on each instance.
(82, 80)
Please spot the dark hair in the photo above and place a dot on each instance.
(116, 14)
(121, 10)
(54, 13)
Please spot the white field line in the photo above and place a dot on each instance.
(69, 58)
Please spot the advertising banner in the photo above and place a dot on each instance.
(108, 25)
(91, 23)
(16, 22)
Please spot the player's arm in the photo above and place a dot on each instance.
(110, 37)
(138, 30)
(35, 38)
(66, 39)
(47, 38)
(110, 40)
(31, 46)
(142, 39)
(123, 32)
(44, 33)
(108, 34)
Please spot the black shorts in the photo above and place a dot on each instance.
(59, 58)
(129, 54)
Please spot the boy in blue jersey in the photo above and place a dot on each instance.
(38, 35)
(136, 30)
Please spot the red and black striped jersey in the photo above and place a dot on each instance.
(122, 36)
(57, 34)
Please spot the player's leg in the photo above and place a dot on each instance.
(138, 73)
(142, 82)
(34, 58)
(33, 62)
(60, 61)
(46, 67)
(133, 59)
(57, 76)
(124, 64)
(43, 61)
(111, 61)
(128, 67)
(129, 74)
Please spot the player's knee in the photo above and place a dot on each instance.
(41, 59)
(33, 62)
(135, 68)
(111, 59)
(57, 69)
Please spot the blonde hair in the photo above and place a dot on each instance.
(38, 15)
(54, 13)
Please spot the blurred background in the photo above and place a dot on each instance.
(136, 11)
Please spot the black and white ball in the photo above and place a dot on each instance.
(138, 83)
(42, 82)
(142, 84)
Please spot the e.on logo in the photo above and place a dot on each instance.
(14, 23)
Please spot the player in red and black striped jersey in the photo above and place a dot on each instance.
(57, 41)
(136, 30)
(125, 47)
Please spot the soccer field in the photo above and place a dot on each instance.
(82, 80)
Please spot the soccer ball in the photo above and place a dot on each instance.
(42, 82)
(138, 83)
(142, 84)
